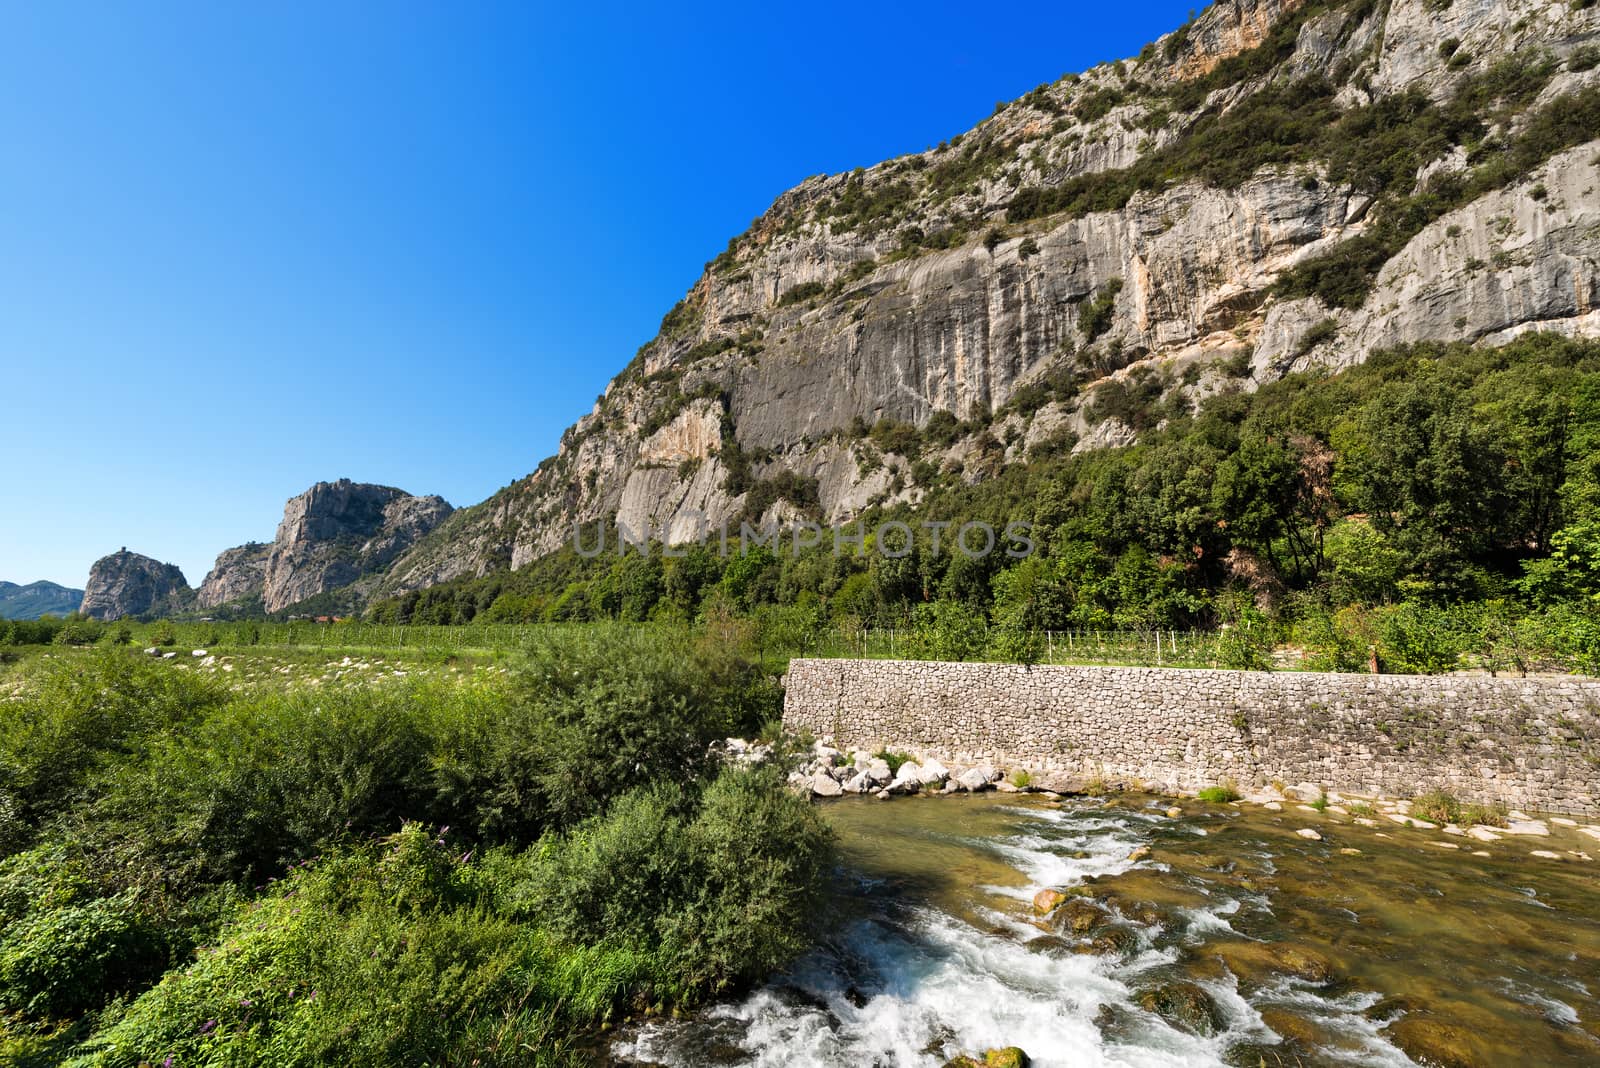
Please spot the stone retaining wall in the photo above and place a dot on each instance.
(1531, 743)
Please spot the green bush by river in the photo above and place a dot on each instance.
(484, 869)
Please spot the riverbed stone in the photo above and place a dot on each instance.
(1290, 1026)
(1309, 834)
(1112, 940)
(1256, 962)
(1079, 916)
(859, 783)
(1048, 900)
(975, 779)
(1006, 1057)
(908, 780)
(825, 785)
(1429, 1040)
(1184, 1005)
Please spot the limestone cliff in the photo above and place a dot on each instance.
(239, 574)
(333, 536)
(128, 584)
(336, 533)
(1099, 230)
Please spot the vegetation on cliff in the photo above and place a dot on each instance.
(1436, 489)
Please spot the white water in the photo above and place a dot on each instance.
(913, 988)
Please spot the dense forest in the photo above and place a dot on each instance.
(1436, 494)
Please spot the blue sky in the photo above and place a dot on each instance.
(241, 253)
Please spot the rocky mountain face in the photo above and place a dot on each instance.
(337, 533)
(239, 574)
(1274, 187)
(333, 536)
(37, 599)
(128, 584)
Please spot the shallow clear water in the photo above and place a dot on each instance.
(1234, 943)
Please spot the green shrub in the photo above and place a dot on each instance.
(1220, 794)
(1319, 332)
(801, 293)
(1436, 806)
(80, 632)
(715, 891)
(1422, 640)
(406, 952)
(1333, 641)
(1015, 643)
(273, 778)
(1489, 815)
(1247, 639)
(1131, 400)
(384, 956)
(946, 630)
(1094, 315)
(179, 792)
(893, 759)
(618, 708)
(63, 961)
(86, 718)
(63, 949)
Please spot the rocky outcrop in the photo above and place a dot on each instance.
(128, 584)
(337, 533)
(239, 574)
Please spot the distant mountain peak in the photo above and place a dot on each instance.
(35, 599)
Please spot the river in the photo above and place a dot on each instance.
(1234, 942)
